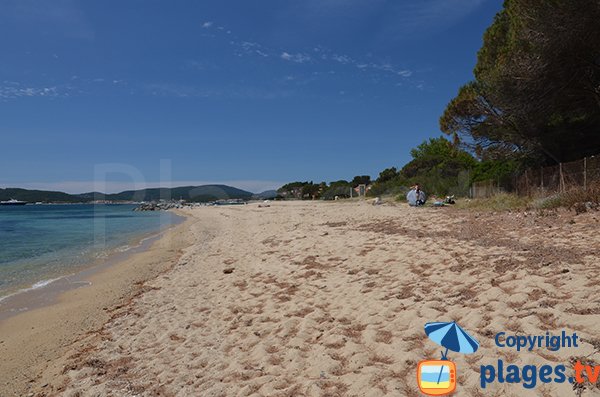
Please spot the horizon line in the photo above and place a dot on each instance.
(82, 187)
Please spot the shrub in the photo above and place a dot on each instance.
(498, 202)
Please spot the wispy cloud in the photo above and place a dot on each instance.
(249, 48)
(343, 59)
(11, 90)
(298, 57)
(73, 86)
(222, 92)
(178, 90)
(207, 24)
(318, 57)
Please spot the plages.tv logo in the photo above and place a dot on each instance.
(438, 377)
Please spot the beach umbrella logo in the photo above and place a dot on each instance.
(438, 377)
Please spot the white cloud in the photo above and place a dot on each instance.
(177, 90)
(324, 57)
(342, 58)
(16, 90)
(298, 58)
(244, 48)
(192, 91)
(207, 24)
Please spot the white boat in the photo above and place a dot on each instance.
(13, 202)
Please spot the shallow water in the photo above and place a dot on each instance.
(39, 243)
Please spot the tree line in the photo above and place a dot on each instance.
(534, 100)
(535, 95)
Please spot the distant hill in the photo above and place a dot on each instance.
(189, 193)
(37, 195)
(266, 195)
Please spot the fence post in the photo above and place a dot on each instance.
(585, 173)
(561, 181)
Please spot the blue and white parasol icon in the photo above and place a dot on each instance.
(452, 337)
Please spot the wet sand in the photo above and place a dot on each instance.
(61, 315)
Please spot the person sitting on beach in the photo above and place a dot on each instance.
(420, 194)
(416, 197)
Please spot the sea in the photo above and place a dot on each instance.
(43, 243)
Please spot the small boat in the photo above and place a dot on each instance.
(13, 202)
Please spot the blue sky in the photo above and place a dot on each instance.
(250, 93)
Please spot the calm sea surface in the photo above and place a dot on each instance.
(39, 243)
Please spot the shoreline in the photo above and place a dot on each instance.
(45, 292)
(313, 298)
(32, 342)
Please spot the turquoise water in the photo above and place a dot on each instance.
(39, 243)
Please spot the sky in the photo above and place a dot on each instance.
(116, 94)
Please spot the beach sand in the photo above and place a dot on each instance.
(330, 299)
(37, 341)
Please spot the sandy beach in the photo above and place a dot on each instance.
(319, 299)
(37, 341)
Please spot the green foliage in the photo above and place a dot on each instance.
(440, 155)
(310, 191)
(338, 189)
(387, 175)
(393, 186)
(361, 180)
(497, 170)
(341, 182)
(439, 167)
(498, 202)
(302, 190)
(537, 83)
(291, 186)
(389, 182)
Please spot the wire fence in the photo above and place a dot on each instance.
(544, 181)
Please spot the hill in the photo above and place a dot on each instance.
(266, 195)
(37, 195)
(202, 193)
(189, 193)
